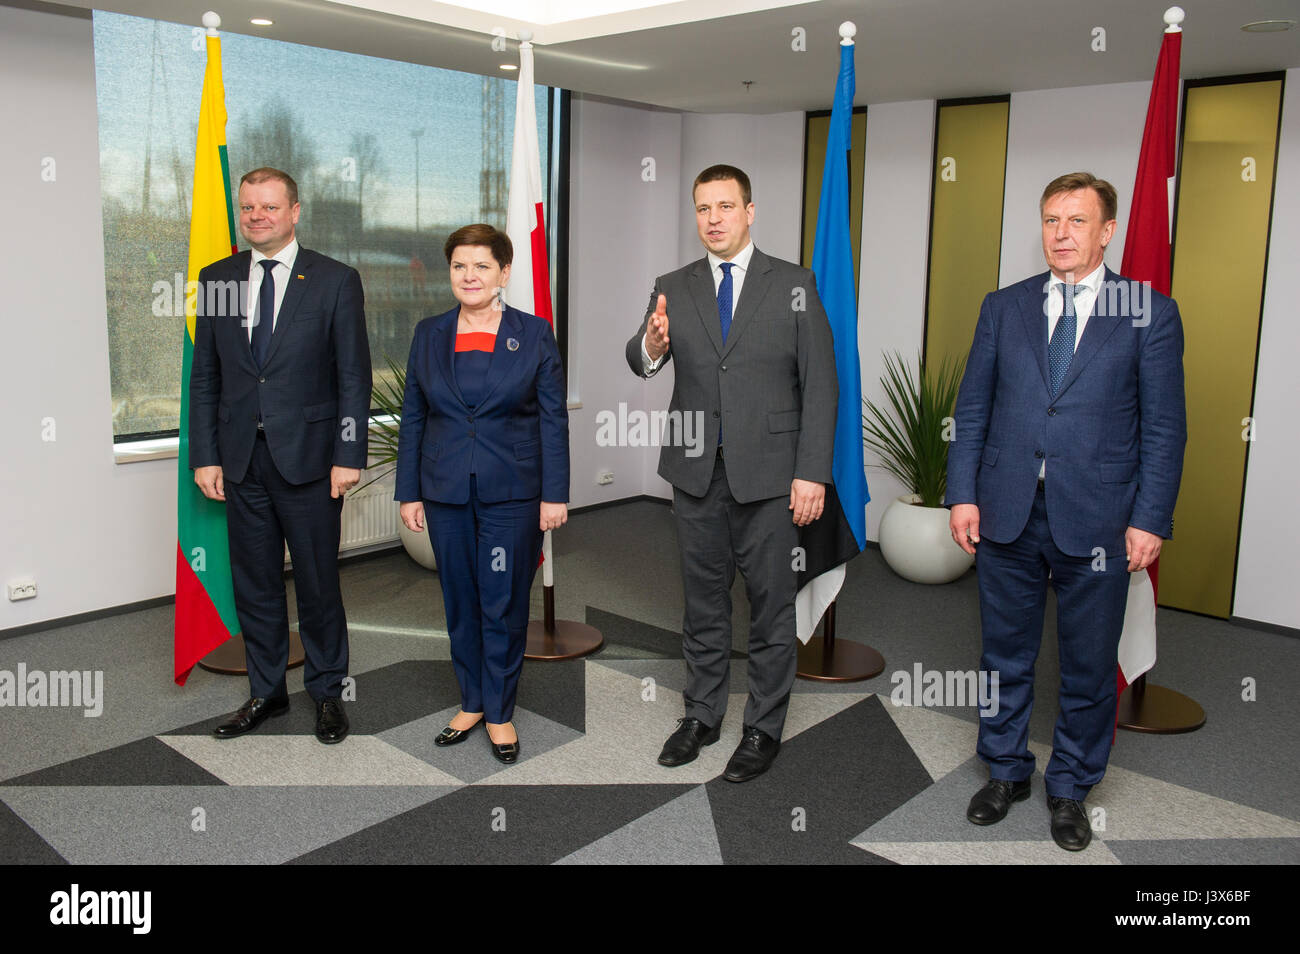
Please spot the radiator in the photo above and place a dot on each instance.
(369, 516)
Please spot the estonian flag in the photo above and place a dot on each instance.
(841, 532)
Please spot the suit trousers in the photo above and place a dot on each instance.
(715, 535)
(263, 511)
(487, 557)
(1091, 595)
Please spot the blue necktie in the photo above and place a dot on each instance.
(1060, 350)
(724, 299)
(263, 325)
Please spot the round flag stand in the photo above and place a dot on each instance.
(831, 660)
(549, 639)
(228, 659)
(1158, 710)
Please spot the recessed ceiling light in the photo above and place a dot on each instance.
(261, 21)
(1268, 26)
(510, 66)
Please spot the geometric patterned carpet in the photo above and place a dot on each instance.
(858, 781)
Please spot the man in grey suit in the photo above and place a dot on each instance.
(763, 382)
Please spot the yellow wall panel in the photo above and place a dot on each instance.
(1225, 192)
(970, 160)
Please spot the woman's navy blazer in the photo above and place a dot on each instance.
(516, 440)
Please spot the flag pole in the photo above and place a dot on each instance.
(840, 533)
(1142, 706)
(548, 639)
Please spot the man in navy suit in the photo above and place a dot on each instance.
(279, 408)
(1067, 453)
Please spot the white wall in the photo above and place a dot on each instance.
(623, 231)
(770, 150)
(1267, 565)
(1095, 129)
(895, 245)
(94, 534)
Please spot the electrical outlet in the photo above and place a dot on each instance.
(605, 477)
(23, 588)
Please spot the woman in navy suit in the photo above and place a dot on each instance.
(483, 460)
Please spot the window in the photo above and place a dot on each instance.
(390, 158)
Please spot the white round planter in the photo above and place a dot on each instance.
(917, 544)
(418, 545)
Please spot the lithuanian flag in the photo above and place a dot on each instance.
(205, 598)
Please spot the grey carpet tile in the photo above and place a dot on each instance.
(1208, 851)
(21, 845)
(827, 781)
(298, 760)
(629, 638)
(205, 825)
(471, 760)
(143, 762)
(492, 824)
(678, 833)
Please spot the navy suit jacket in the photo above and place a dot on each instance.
(1113, 437)
(516, 440)
(314, 391)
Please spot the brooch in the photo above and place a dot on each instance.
(512, 344)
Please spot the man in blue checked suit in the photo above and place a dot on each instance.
(1064, 469)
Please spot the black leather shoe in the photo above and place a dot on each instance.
(1070, 828)
(754, 756)
(684, 744)
(450, 736)
(991, 803)
(250, 715)
(331, 721)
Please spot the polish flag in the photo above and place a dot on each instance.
(530, 290)
(530, 287)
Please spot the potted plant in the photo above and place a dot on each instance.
(386, 398)
(911, 438)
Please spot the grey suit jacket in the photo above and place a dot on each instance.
(771, 388)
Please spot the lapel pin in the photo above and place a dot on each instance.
(512, 344)
(302, 276)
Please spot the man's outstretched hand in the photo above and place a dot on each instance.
(656, 330)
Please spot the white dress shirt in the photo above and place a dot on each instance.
(283, 271)
(741, 263)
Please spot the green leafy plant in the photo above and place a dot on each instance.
(912, 432)
(385, 421)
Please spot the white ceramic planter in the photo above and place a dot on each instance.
(418, 545)
(917, 545)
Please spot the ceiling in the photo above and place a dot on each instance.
(698, 55)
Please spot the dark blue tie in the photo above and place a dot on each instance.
(1060, 350)
(265, 320)
(724, 299)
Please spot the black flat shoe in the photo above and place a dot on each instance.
(507, 752)
(250, 715)
(450, 736)
(1070, 827)
(990, 804)
(331, 721)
